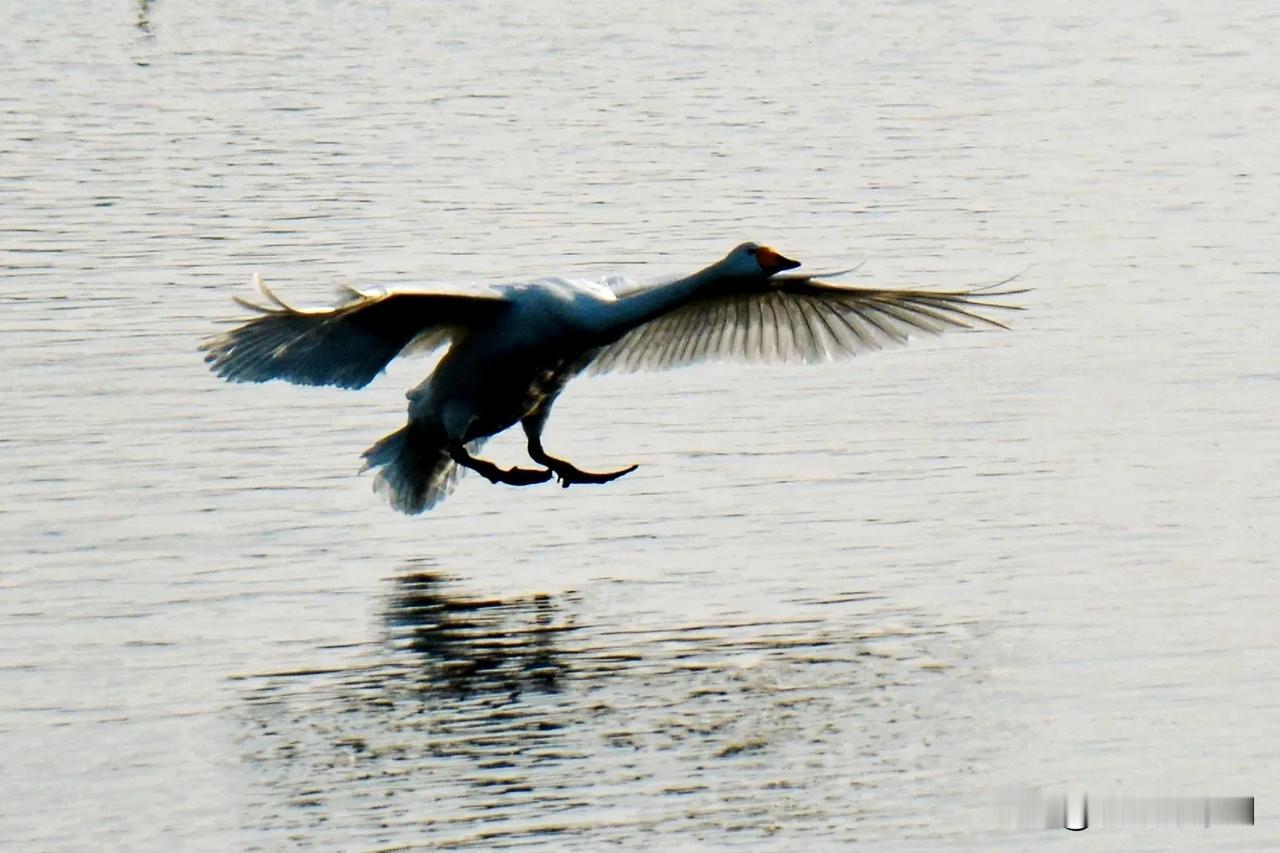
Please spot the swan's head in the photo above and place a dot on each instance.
(752, 259)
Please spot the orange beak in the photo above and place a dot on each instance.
(771, 262)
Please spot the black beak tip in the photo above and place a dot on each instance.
(786, 264)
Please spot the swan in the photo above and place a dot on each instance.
(512, 349)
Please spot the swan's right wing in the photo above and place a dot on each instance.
(347, 345)
(795, 318)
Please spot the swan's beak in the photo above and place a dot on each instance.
(771, 262)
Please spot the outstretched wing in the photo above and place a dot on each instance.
(796, 318)
(347, 345)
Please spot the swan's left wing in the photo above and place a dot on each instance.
(347, 345)
(796, 318)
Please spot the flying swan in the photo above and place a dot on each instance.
(512, 349)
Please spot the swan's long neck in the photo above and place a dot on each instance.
(652, 302)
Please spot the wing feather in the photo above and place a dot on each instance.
(346, 345)
(852, 337)
(742, 313)
(770, 329)
(813, 346)
(798, 318)
(688, 341)
(831, 334)
(765, 327)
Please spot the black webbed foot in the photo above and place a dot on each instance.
(568, 475)
(566, 472)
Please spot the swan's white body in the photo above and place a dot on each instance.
(512, 349)
(526, 355)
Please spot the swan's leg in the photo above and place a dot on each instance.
(457, 419)
(565, 471)
(494, 474)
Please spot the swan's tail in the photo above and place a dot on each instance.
(417, 471)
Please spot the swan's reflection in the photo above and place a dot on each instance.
(470, 645)
(461, 695)
(441, 645)
(476, 718)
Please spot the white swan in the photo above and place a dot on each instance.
(511, 350)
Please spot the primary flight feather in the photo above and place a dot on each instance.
(511, 350)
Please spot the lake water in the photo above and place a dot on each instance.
(843, 604)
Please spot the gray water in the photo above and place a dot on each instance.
(842, 604)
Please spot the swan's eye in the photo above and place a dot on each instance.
(751, 251)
